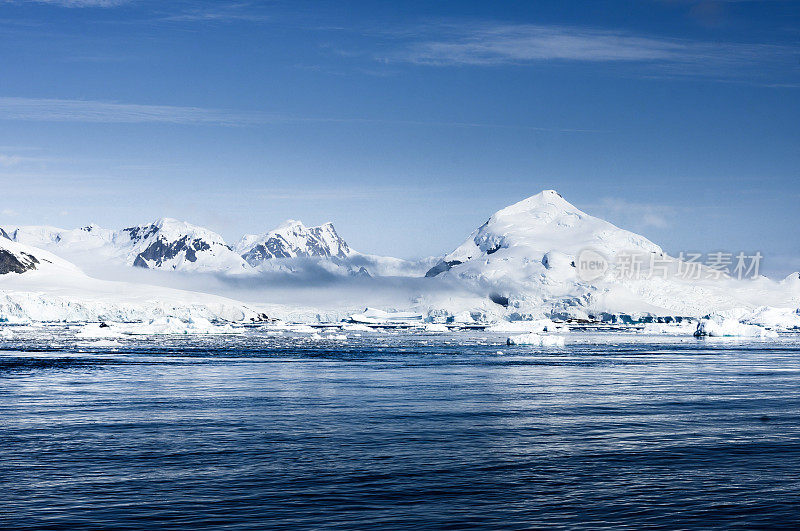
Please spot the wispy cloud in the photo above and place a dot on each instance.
(220, 12)
(634, 215)
(6, 161)
(87, 111)
(82, 3)
(58, 110)
(504, 44)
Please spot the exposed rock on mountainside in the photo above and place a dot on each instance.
(16, 263)
(292, 239)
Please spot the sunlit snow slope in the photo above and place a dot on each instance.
(527, 253)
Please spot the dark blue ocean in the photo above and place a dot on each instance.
(392, 431)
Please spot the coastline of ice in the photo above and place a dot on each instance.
(155, 327)
(515, 274)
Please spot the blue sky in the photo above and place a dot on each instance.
(406, 123)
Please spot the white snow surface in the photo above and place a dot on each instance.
(526, 231)
(164, 244)
(292, 239)
(286, 247)
(515, 268)
(535, 326)
(718, 327)
(526, 253)
(172, 245)
(540, 340)
(57, 290)
(377, 316)
(160, 326)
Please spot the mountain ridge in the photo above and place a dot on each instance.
(170, 244)
(292, 239)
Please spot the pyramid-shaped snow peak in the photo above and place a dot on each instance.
(522, 235)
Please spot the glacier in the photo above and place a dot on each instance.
(54, 289)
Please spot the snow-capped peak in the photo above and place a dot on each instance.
(292, 239)
(168, 243)
(792, 279)
(546, 201)
(533, 227)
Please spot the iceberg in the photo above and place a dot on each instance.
(535, 326)
(376, 316)
(536, 340)
(731, 328)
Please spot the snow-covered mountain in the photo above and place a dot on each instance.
(523, 263)
(36, 285)
(173, 244)
(292, 247)
(164, 244)
(517, 239)
(168, 244)
(526, 255)
(17, 258)
(292, 239)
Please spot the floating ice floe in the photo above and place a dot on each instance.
(537, 326)
(375, 316)
(6, 334)
(676, 329)
(540, 340)
(99, 331)
(436, 328)
(731, 328)
(300, 328)
(330, 337)
(160, 326)
(356, 327)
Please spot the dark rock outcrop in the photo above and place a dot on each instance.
(294, 240)
(16, 263)
(441, 267)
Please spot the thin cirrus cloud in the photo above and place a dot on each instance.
(637, 216)
(83, 3)
(88, 111)
(504, 44)
(61, 110)
(220, 12)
